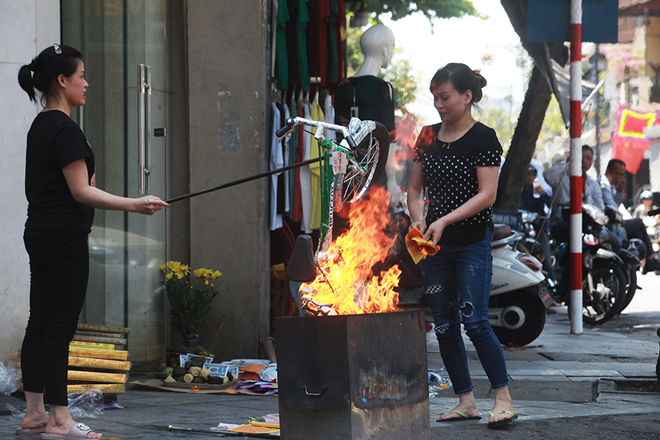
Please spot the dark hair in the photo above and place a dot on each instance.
(52, 62)
(589, 148)
(613, 162)
(462, 78)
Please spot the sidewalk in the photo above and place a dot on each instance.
(569, 388)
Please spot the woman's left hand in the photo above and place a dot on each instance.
(435, 231)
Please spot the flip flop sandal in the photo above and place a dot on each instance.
(77, 432)
(20, 431)
(503, 422)
(462, 417)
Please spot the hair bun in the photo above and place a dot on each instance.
(481, 81)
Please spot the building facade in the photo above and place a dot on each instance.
(210, 90)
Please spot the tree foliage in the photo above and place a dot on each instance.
(430, 8)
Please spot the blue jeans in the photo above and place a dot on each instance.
(457, 285)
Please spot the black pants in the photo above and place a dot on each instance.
(635, 229)
(59, 269)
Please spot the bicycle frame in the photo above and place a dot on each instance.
(334, 165)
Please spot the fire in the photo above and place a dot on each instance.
(348, 285)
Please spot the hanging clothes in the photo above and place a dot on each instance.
(285, 155)
(317, 39)
(315, 169)
(296, 38)
(281, 56)
(305, 175)
(337, 18)
(329, 116)
(293, 148)
(276, 161)
(297, 192)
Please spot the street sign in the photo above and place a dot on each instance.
(548, 21)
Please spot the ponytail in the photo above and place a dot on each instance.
(25, 81)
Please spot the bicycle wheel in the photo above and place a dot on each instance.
(604, 302)
(371, 154)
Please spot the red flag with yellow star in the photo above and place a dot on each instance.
(629, 141)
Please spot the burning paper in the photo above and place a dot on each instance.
(346, 283)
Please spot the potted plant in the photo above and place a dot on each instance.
(190, 298)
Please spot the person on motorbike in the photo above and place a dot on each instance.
(613, 199)
(534, 199)
(558, 178)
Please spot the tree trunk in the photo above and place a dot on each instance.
(530, 120)
(523, 143)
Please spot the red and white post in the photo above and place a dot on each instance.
(575, 171)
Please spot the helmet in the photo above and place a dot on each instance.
(646, 195)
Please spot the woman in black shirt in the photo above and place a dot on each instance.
(61, 193)
(457, 161)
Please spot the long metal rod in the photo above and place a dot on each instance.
(246, 179)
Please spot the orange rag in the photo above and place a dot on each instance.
(418, 248)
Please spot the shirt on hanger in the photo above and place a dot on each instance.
(305, 175)
(281, 67)
(276, 161)
(297, 43)
(315, 169)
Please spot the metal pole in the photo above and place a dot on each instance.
(245, 179)
(575, 172)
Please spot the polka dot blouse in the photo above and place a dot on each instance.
(450, 177)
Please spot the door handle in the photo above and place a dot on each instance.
(144, 128)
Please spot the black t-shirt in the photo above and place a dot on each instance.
(53, 142)
(450, 176)
(373, 98)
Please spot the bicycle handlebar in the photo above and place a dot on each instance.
(286, 129)
(292, 122)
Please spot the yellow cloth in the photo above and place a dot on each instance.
(315, 169)
(418, 248)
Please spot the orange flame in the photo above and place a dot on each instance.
(352, 287)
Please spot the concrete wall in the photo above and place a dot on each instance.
(227, 87)
(26, 28)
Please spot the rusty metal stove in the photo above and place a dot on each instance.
(353, 376)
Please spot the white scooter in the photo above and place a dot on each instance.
(519, 292)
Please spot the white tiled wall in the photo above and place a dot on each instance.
(26, 27)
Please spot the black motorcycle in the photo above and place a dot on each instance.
(605, 276)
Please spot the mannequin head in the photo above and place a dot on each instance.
(377, 44)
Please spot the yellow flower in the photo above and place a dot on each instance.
(163, 268)
(169, 276)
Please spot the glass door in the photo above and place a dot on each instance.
(126, 249)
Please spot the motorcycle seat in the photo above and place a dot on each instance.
(501, 231)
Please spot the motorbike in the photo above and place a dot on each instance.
(519, 293)
(605, 276)
(631, 254)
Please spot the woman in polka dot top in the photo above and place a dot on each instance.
(457, 162)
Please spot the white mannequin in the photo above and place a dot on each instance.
(377, 44)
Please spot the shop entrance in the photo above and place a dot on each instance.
(126, 250)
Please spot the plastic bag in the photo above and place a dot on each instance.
(89, 403)
(269, 374)
(437, 383)
(10, 379)
(17, 408)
